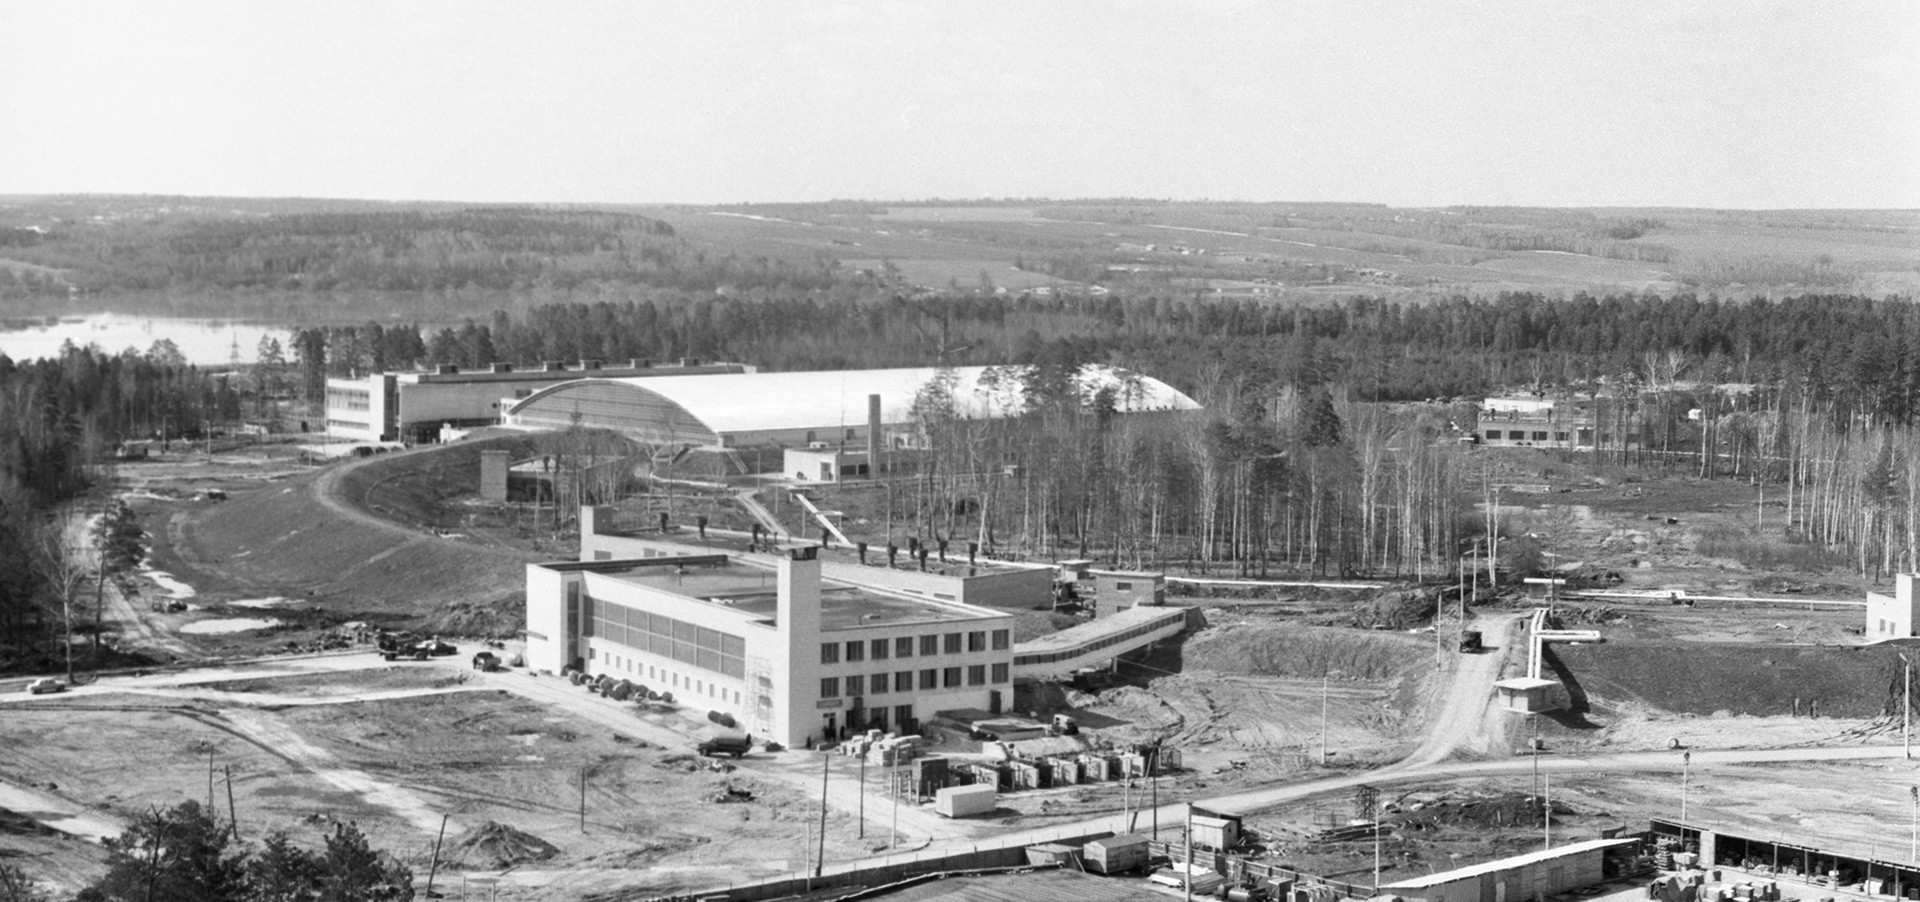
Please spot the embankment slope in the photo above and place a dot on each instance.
(343, 536)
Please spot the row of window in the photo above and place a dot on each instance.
(1100, 643)
(347, 400)
(902, 647)
(902, 681)
(666, 637)
(1520, 435)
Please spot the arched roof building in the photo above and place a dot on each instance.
(793, 409)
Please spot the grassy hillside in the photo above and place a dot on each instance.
(348, 261)
(337, 537)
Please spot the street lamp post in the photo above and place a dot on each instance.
(1686, 759)
(1326, 678)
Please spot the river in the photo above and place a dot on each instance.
(204, 342)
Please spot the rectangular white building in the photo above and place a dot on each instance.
(788, 654)
(1894, 616)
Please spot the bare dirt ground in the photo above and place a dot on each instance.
(397, 748)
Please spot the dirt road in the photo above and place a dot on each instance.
(1466, 719)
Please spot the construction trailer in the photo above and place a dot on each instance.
(1117, 854)
(966, 801)
(1215, 832)
(1536, 875)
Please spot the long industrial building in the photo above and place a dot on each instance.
(809, 409)
(796, 647)
(414, 407)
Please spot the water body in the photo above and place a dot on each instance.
(204, 342)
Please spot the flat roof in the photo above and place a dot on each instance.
(1506, 864)
(1524, 683)
(1075, 636)
(753, 590)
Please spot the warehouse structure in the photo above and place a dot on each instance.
(816, 410)
(414, 407)
(1536, 875)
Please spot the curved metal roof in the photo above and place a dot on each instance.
(761, 402)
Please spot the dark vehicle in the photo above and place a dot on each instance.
(1470, 641)
(486, 661)
(727, 745)
(394, 646)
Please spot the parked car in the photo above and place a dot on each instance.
(486, 661)
(45, 685)
(727, 745)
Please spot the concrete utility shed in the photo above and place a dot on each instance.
(1535, 875)
(1527, 695)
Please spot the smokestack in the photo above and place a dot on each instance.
(873, 436)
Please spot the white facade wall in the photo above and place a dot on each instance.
(1894, 616)
(547, 627)
(356, 409)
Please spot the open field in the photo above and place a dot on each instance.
(1358, 247)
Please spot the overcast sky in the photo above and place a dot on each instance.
(1415, 103)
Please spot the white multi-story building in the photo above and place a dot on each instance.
(788, 654)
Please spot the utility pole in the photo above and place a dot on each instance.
(433, 867)
(1534, 719)
(863, 797)
(583, 800)
(233, 813)
(1906, 708)
(1153, 777)
(1188, 880)
(893, 785)
(1913, 849)
(1376, 848)
(820, 863)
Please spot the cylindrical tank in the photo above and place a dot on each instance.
(1245, 894)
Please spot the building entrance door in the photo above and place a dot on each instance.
(993, 702)
(831, 731)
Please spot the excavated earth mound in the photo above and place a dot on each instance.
(494, 846)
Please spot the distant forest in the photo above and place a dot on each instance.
(1856, 356)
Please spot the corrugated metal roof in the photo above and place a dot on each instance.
(1506, 864)
(754, 402)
